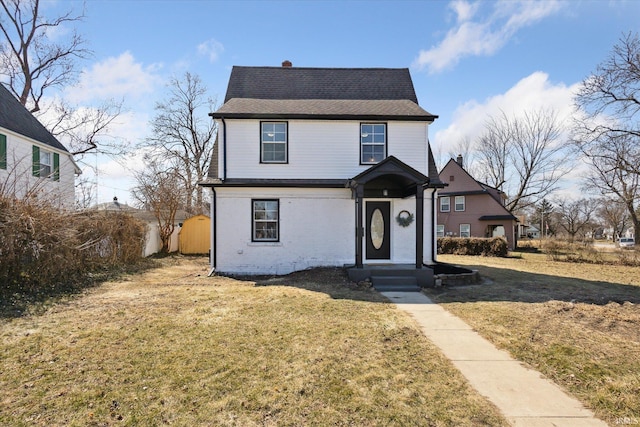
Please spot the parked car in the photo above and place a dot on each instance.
(626, 242)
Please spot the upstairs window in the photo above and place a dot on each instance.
(46, 164)
(445, 204)
(266, 220)
(459, 203)
(273, 142)
(373, 143)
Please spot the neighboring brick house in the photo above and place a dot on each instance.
(321, 167)
(32, 161)
(469, 208)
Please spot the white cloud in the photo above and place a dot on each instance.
(211, 48)
(463, 9)
(484, 35)
(115, 78)
(530, 94)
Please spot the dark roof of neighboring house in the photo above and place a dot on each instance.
(320, 83)
(498, 218)
(15, 117)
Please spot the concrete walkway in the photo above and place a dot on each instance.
(522, 394)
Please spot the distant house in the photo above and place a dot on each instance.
(321, 167)
(470, 208)
(32, 161)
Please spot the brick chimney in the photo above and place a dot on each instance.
(286, 64)
(459, 160)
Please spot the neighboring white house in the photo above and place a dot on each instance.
(319, 167)
(32, 161)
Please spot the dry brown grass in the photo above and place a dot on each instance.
(579, 324)
(172, 346)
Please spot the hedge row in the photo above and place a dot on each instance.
(495, 246)
(43, 249)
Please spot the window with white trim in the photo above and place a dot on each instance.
(373, 143)
(46, 164)
(439, 230)
(266, 220)
(445, 204)
(465, 230)
(460, 202)
(273, 142)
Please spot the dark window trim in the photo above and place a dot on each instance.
(286, 143)
(253, 222)
(386, 141)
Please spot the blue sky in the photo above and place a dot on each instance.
(468, 59)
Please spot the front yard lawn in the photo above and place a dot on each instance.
(172, 346)
(577, 323)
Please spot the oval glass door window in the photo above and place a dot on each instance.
(377, 229)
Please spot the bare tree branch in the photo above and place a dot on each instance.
(183, 132)
(608, 134)
(523, 156)
(29, 59)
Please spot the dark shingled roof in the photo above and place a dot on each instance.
(15, 117)
(399, 109)
(320, 83)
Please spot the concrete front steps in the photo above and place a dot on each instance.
(393, 277)
(395, 283)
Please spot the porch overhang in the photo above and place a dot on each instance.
(391, 178)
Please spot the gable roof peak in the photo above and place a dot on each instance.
(288, 82)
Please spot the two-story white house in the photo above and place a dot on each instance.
(32, 161)
(322, 167)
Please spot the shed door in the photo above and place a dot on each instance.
(378, 227)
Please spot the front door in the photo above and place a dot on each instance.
(378, 229)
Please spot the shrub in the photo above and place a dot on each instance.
(43, 249)
(495, 246)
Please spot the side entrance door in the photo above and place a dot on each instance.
(377, 230)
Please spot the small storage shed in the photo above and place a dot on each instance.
(195, 235)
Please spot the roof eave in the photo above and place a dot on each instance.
(255, 116)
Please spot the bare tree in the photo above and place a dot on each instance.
(613, 213)
(33, 64)
(84, 129)
(182, 131)
(523, 156)
(30, 60)
(464, 147)
(608, 134)
(160, 189)
(575, 217)
(494, 148)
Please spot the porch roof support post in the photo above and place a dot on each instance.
(359, 229)
(419, 225)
